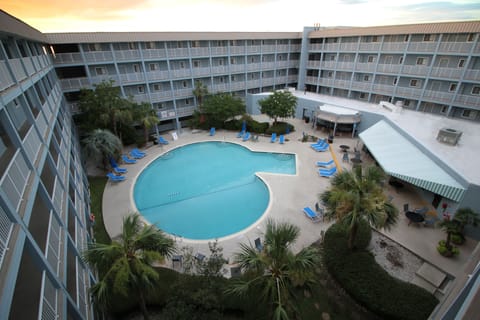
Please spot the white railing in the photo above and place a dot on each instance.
(472, 75)
(471, 101)
(32, 144)
(74, 84)
(203, 51)
(98, 56)
(394, 46)
(204, 71)
(455, 47)
(218, 51)
(6, 79)
(132, 77)
(237, 50)
(27, 62)
(49, 303)
(65, 58)
(157, 75)
(17, 68)
(154, 53)
(6, 227)
(54, 244)
(390, 68)
(219, 69)
(127, 55)
(438, 96)
(157, 96)
(57, 197)
(14, 180)
(408, 92)
(82, 285)
(181, 73)
(371, 46)
(422, 46)
(254, 66)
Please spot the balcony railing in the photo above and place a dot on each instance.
(68, 58)
(468, 100)
(472, 75)
(132, 77)
(98, 56)
(122, 55)
(438, 96)
(157, 75)
(178, 52)
(455, 47)
(17, 68)
(408, 92)
(14, 180)
(200, 52)
(74, 84)
(32, 144)
(383, 89)
(154, 54)
(388, 68)
(422, 46)
(6, 227)
(6, 80)
(394, 46)
(219, 51)
(161, 96)
(418, 70)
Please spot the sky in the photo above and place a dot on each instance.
(230, 15)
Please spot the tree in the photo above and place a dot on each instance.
(222, 106)
(144, 114)
(101, 143)
(104, 108)
(358, 195)
(125, 265)
(280, 104)
(200, 92)
(275, 270)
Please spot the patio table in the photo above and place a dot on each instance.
(414, 217)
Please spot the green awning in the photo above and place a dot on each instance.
(403, 160)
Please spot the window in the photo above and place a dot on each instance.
(330, 74)
(427, 37)
(156, 87)
(461, 63)
(470, 37)
(232, 61)
(453, 87)
(406, 103)
(374, 39)
(184, 84)
(136, 68)
(196, 63)
(421, 61)
(280, 57)
(149, 45)
(141, 89)
(413, 83)
(233, 77)
(132, 46)
(187, 101)
(252, 60)
(182, 65)
(332, 58)
(470, 114)
(94, 47)
(406, 38)
(100, 71)
(363, 95)
(370, 59)
(179, 45)
(476, 90)
(153, 66)
(444, 109)
(366, 78)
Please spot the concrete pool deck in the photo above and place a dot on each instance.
(289, 195)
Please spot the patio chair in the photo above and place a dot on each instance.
(161, 140)
(312, 215)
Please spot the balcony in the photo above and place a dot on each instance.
(282, 48)
(455, 47)
(157, 75)
(253, 49)
(254, 67)
(346, 66)
(183, 93)
(6, 80)
(181, 73)
(17, 69)
(470, 101)
(282, 64)
(14, 179)
(237, 68)
(125, 55)
(315, 47)
(422, 46)
(239, 50)
(99, 79)
(447, 73)
(219, 70)
(369, 46)
(311, 80)
(473, 75)
(219, 51)
(326, 82)
(200, 52)
(74, 84)
(268, 48)
(181, 112)
(438, 96)
(133, 77)
(149, 54)
(253, 84)
(410, 93)
(388, 68)
(199, 72)
(68, 58)
(383, 89)
(418, 70)
(32, 144)
(98, 56)
(394, 46)
(330, 46)
(362, 86)
(178, 53)
(269, 65)
(350, 46)
(366, 67)
(219, 87)
(328, 65)
(139, 98)
(267, 82)
(341, 84)
(237, 85)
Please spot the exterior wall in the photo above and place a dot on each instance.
(163, 72)
(436, 71)
(44, 199)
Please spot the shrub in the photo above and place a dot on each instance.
(369, 284)
(280, 128)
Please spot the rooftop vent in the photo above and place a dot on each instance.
(449, 136)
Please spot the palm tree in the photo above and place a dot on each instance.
(275, 270)
(146, 116)
(200, 92)
(102, 143)
(358, 195)
(125, 265)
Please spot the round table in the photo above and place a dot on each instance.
(414, 217)
(344, 147)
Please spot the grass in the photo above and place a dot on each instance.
(97, 185)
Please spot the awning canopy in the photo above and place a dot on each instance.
(402, 159)
(338, 114)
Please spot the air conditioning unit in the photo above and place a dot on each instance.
(449, 136)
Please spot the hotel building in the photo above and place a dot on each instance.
(44, 200)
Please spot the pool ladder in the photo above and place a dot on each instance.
(173, 194)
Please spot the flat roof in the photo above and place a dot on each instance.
(339, 110)
(424, 128)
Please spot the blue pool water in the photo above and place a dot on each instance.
(207, 190)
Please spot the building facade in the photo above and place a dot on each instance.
(432, 68)
(44, 197)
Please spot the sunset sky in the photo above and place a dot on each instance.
(230, 15)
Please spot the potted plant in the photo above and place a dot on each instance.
(450, 226)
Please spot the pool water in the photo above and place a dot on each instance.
(207, 190)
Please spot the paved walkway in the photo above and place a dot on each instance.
(289, 194)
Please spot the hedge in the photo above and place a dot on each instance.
(370, 285)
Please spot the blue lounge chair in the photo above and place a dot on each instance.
(312, 215)
(320, 142)
(128, 160)
(274, 137)
(115, 178)
(115, 166)
(135, 155)
(140, 153)
(240, 134)
(258, 244)
(246, 136)
(161, 140)
(320, 148)
(212, 131)
(327, 173)
(324, 164)
(281, 139)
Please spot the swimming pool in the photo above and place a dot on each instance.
(207, 190)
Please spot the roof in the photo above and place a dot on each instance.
(93, 37)
(14, 26)
(423, 28)
(338, 114)
(402, 159)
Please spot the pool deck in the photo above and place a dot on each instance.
(289, 195)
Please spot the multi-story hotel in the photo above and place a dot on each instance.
(429, 68)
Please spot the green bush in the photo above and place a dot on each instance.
(280, 128)
(370, 285)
